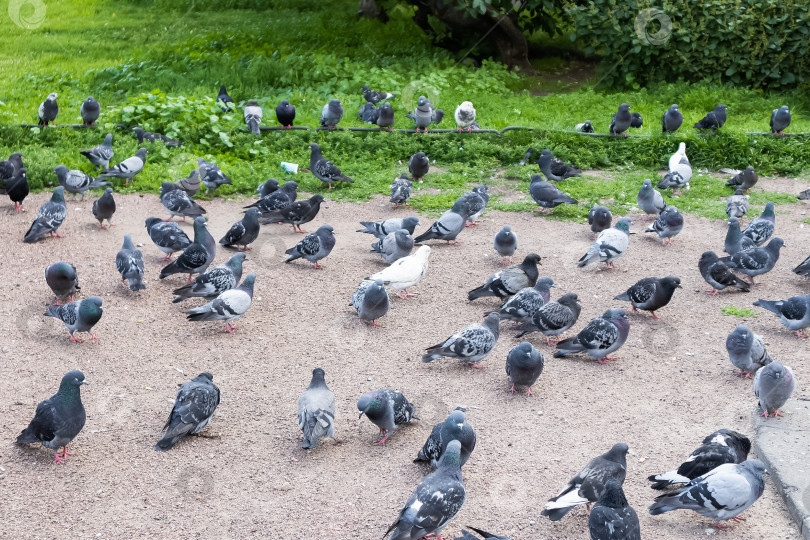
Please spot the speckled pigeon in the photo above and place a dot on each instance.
(49, 218)
(77, 182)
(214, 282)
(794, 313)
(600, 337)
(476, 202)
(48, 110)
(454, 428)
(612, 517)
(228, 306)
(323, 169)
(465, 116)
(526, 302)
(401, 189)
(100, 155)
(282, 198)
(178, 203)
(296, 214)
(211, 175)
(167, 236)
(387, 409)
(761, 228)
(381, 229)
(129, 263)
(152, 137)
(746, 350)
(668, 224)
(243, 232)
(555, 317)
(718, 275)
(193, 409)
(375, 96)
(314, 247)
(471, 344)
(197, 256)
(78, 316)
(737, 204)
(651, 294)
(735, 241)
(371, 301)
(253, 116)
(756, 261)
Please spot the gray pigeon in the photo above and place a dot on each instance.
(744, 180)
(746, 350)
(547, 195)
(476, 202)
(387, 409)
(190, 184)
(526, 302)
(375, 96)
(651, 294)
(589, 484)
(385, 116)
(128, 168)
(555, 169)
(471, 344)
(794, 313)
(197, 256)
(454, 428)
(509, 280)
(465, 116)
(331, 114)
(104, 208)
(167, 236)
(756, 261)
(609, 245)
(49, 218)
(668, 224)
(447, 226)
(297, 213)
(584, 127)
(804, 195)
(636, 121)
(214, 282)
(737, 204)
(48, 110)
(100, 155)
(243, 232)
(804, 268)
(621, 120)
(735, 241)
(393, 247)
(149, 136)
(672, 119)
(650, 200)
(722, 446)
(714, 119)
(178, 203)
(253, 116)
(600, 337)
(368, 113)
(282, 198)
(722, 493)
(285, 114)
(524, 364)
(91, 110)
(211, 175)
(425, 114)
(77, 182)
(59, 418)
(323, 169)
(437, 499)
(506, 243)
(193, 409)
(401, 189)
(418, 165)
(773, 385)
(267, 187)
(371, 301)
(316, 411)
(760, 229)
(612, 517)
(314, 247)
(599, 218)
(381, 229)
(555, 317)
(78, 316)
(718, 275)
(129, 263)
(228, 306)
(780, 120)
(62, 279)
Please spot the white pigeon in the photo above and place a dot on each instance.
(405, 272)
(678, 157)
(465, 116)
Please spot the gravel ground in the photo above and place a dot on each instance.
(671, 385)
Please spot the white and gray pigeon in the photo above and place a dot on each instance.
(316, 411)
(196, 258)
(510, 280)
(167, 236)
(49, 218)
(418, 165)
(228, 306)
(780, 120)
(600, 337)
(62, 279)
(599, 218)
(100, 155)
(281, 198)
(505, 243)
(401, 188)
(217, 280)
(475, 202)
(722, 493)
(745, 179)
(650, 200)
(773, 385)
(465, 116)
(104, 208)
(612, 517)
(424, 115)
(609, 245)
(555, 317)
(589, 484)
(314, 247)
(128, 168)
(667, 225)
(746, 350)
(522, 306)
(77, 182)
(371, 301)
(193, 409)
(555, 169)
(381, 229)
(547, 195)
(584, 127)
(323, 169)
(672, 119)
(717, 274)
(679, 173)
(755, 261)
(794, 313)
(454, 428)
(190, 184)
(331, 114)
(714, 119)
(621, 120)
(375, 96)
(524, 364)
(678, 157)
(471, 344)
(243, 232)
(737, 204)
(211, 175)
(178, 203)
(761, 228)
(437, 499)
(651, 294)
(395, 246)
(129, 263)
(58, 419)
(448, 226)
(78, 316)
(405, 272)
(387, 409)
(253, 116)
(90, 111)
(722, 446)
(48, 110)
(735, 241)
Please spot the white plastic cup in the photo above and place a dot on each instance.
(290, 167)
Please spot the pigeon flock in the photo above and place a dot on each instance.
(718, 480)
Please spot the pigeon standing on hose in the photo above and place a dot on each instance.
(90, 111)
(780, 120)
(621, 121)
(714, 119)
(672, 119)
(253, 116)
(285, 114)
(48, 110)
(331, 114)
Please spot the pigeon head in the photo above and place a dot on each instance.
(671, 283)
(708, 257)
(205, 375)
(284, 103)
(386, 106)
(739, 191)
(410, 222)
(755, 467)
(740, 340)
(451, 458)
(371, 403)
(315, 147)
(523, 353)
(624, 225)
(775, 244)
(90, 310)
(199, 225)
(365, 88)
(614, 313)
(141, 153)
(422, 252)
(403, 237)
(128, 242)
(456, 419)
(252, 212)
(138, 131)
(58, 195)
(71, 382)
(152, 221)
(252, 103)
(544, 283)
(673, 107)
(290, 186)
(619, 452)
(166, 187)
(536, 178)
(492, 321)
(316, 199)
(720, 108)
(613, 495)
(248, 283)
(422, 101)
(52, 96)
(108, 191)
(569, 300)
(532, 259)
(222, 89)
(775, 370)
(236, 261)
(507, 230)
(768, 212)
(61, 171)
(624, 107)
(647, 184)
(90, 100)
(587, 123)
(335, 104)
(325, 230)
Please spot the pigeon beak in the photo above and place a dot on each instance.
(360, 415)
(84, 382)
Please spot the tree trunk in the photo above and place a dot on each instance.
(370, 10)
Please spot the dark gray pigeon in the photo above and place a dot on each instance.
(526, 302)
(650, 200)
(375, 96)
(385, 116)
(368, 113)
(77, 182)
(609, 245)
(718, 275)
(584, 127)
(129, 263)
(526, 157)
(636, 121)
(211, 175)
(190, 184)
(178, 203)
(714, 119)
(746, 350)
(267, 187)
(243, 232)
(745, 179)
(448, 226)
(509, 280)
(387, 409)
(794, 313)
(418, 165)
(425, 114)
(547, 195)
(381, 229)
(600, 337)
(331, 114)
(224, 100)
(437, 499)
(651, 294)
(78, 316)
(589, 484)
(505, 243)
(48, 110)
(323, 169)
(524, 364)
(555, 169)
(393, 247)
(471, 344)
(167, 236)
(228, 306)
(277, 200)
(316, 411)
(193, 409)
(668, 224)
(735, 241)
(467, 535)
(11, 166)
(214, 282)
(555, 317)
(721, 447)
(90, 111)
(49, 218)
(128, 168)
(621, 120)
(149, 136)
(760, 229)
(253, 116)
(58, 419)
(773, 385)
(101, 154)
(197, 256)
(476, 202)
(285, 114)
(401, 189)
(755, 261)
(599, 218)
(371, 301)
(104, 208)
(314, 247)
(454, 428)
(737, 204)
(612, 517)
(804, 268)
(296, 214)
(804, 195)
(672, 119)
(780, 120)
(16, 188)
(62, 279)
